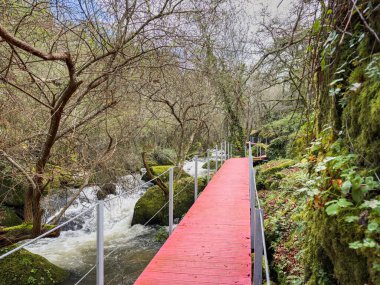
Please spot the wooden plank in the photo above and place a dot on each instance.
(211, 245)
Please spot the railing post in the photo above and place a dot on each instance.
(100, 243)
(231, 153)
(216, 158)
(208, 166)
(171, 184)
(258, 262)
(260, 147)
(221, 154)
(196, 179)
(252, 194)
(225, 151)
(245, 149)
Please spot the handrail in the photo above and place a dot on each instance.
(99, 205)
(261, 248)
(155, 214)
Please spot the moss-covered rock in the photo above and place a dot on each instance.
(154, 199)
(10, 235)
(8, 217)
(160, 169)
(24, 267)
(266, 177)
(328, 257)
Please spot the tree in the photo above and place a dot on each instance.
(69, 69)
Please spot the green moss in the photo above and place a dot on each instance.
(266, 177)
(328, 258)
(160, 169)
(277, 148)
(8, 217)
(24, 267)
(362, 118)
(281, 127)
(24, 230)
(154, 199)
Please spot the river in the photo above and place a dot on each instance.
(132, 247)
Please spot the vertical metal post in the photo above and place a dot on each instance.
(221, 154)
(260, 147)
(225, 151)
(171, 184)
(100, 243)
(257, 148)
(245, 149)
(231, 153)
(208, 166)
(196, 178)
(216, 158)
(258, 262)
(252, 193)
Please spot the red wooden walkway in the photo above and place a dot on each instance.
(211, 245)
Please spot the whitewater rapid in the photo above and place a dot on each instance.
(132, 246)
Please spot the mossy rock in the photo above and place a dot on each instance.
(159, 169)
(154, 199)
(328, 258)
(8, 217)
(24, 267)
(267, 172)
(9, 235)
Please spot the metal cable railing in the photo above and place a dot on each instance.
(258, 244)
(225, 153)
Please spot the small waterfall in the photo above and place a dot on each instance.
(75, 248)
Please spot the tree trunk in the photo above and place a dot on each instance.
(150, 176)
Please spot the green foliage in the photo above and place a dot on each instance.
(284, 226)
(24, 267)
(161, 235)
(277, 148)
(282, 127)
(161, 156)
(8, 217)
(11, 187)
(154, 199)
(266, 177)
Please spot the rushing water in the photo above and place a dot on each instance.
(131, 247)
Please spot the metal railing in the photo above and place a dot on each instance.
(257, 142)
(257, 227)
(225, 153)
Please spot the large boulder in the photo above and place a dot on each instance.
(154, 199)
(24, 267)
(105, 190)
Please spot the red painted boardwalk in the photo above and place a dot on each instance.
(211, 245)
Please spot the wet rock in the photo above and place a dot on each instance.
(105, 190)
